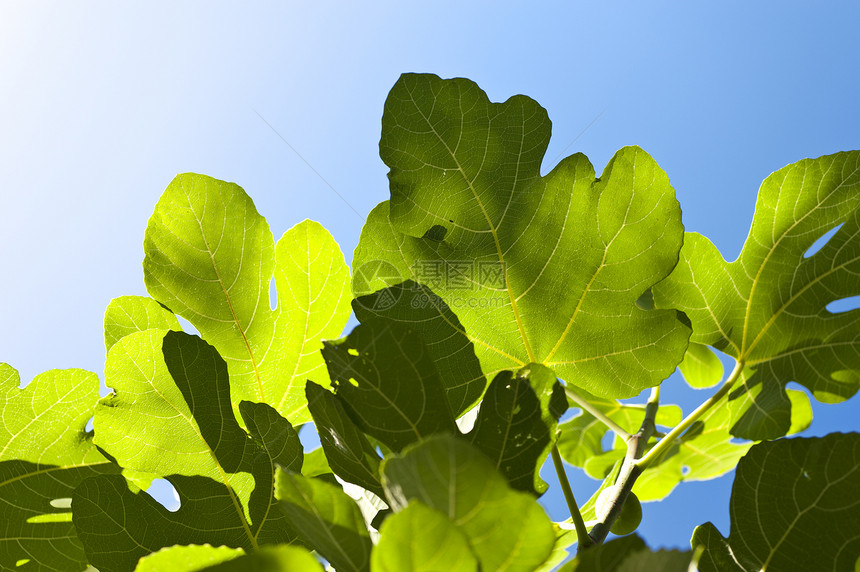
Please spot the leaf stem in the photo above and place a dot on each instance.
(596, 413)
(582, 537)
(666, 442)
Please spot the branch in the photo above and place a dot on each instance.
(630, 470)
(665, 443)
(596, 413)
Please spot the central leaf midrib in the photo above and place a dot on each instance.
(229, 302)
(492, 228)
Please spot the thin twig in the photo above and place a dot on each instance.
(583, 540)
(596, 413)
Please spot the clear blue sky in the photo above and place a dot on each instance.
(102, 103)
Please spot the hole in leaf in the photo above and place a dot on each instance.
(844, 305)
(570, 414)
(164, 494)
(273, 295)
(819, 244)
(309, 437)
(685, 470)
(353, 382)
(61, 503)
(186, 326)
(607, 441)
(352, 352)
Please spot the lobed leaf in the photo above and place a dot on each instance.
(45, 452)
(388, 383)
(128, 314)
(793, 507)
(768, 308)
(506, 529)
(421, 539)
(327, 520)
(210, 258)
(416, 306)
(516, 424)
(537, 269)
(179, 385)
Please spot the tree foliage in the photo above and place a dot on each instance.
(490, 299)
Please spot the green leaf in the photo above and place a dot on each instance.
(327, 520)
(606, 557)
(628, 554)
(701, 367)
(210, 258)
(315, 463)
(538, 269)
(446, 341)
(179, 385)
(767, 309)
(347, 449)
(128, 314)
(421, 539)
(761, 408)
(200, 558)
(580, 438)
(387, 382)
(516, 425)
(507, 529)
(793, 507)
(191, 558)
(45, 452)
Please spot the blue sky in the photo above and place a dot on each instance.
(101, 104)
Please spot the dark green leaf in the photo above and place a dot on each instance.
(179, 385)
(388, 383)
(537, 269)
(210, 257)
(507, 529)
(421, 539)
(347, 450)
(45, 452)
(516, 425)
(327, 520)
(767, 309)
(446, 341)
(793, 507)
(628, 554)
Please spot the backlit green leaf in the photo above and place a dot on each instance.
(388, 383)
(507, 529)
(628, 554)
(128, 314)
(537, 269)
(210, 258)
(768, 308)
(516, 425)
(45, 452)
(171, 415)
(421, 539)
(793, 507)
(327, 520)
(701, 367)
